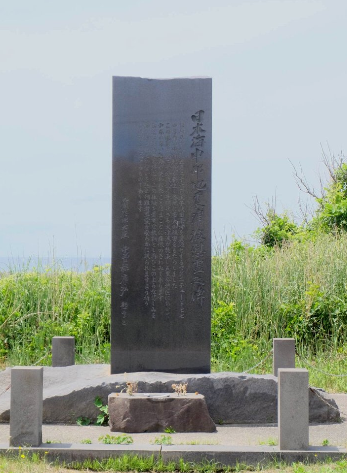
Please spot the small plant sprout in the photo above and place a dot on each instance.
(180, 389)
(169, 430)
(88, 441)
(270, 441)
(83, 420)
(200, 442)
(119, 440)
(163, 440)
(102, 418)
(325, 442)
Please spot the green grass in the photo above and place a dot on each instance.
(129, 463)
(296, 291)
(36, 305)
(264, 285)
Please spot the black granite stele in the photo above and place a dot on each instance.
(161, 225)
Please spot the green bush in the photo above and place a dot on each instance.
(226, 343)
(280, 229)
(317, 317)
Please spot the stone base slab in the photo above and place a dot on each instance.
(231, 398)
(157, 411)
(229, 456)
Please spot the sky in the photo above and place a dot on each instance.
(279, 70)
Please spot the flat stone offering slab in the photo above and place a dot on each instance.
(155, 412)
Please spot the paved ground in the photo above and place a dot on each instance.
(229, 435)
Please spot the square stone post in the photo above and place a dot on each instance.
(26, 406)
(63, 351)
(293, 409)
(283, 353)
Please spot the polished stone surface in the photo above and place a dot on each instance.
(161, 225)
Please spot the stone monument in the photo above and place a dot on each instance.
(161, 225)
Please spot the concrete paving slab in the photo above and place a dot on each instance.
(255, 456)
(73, 452)
(251, 456)
(227, 435)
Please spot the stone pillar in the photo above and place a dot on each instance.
(63, 351)
(283, 353)
(293, 409)
(26, 406)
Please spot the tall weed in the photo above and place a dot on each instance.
(36, 305)
(298, 290)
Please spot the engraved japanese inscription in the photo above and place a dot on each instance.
(161, 225)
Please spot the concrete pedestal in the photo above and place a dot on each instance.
(63, 351)
(26, 406)
(283, 354)
(293, 409)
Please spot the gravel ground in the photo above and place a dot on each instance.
(241, 435)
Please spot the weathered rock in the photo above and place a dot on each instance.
(69, 392)
(140, 413)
